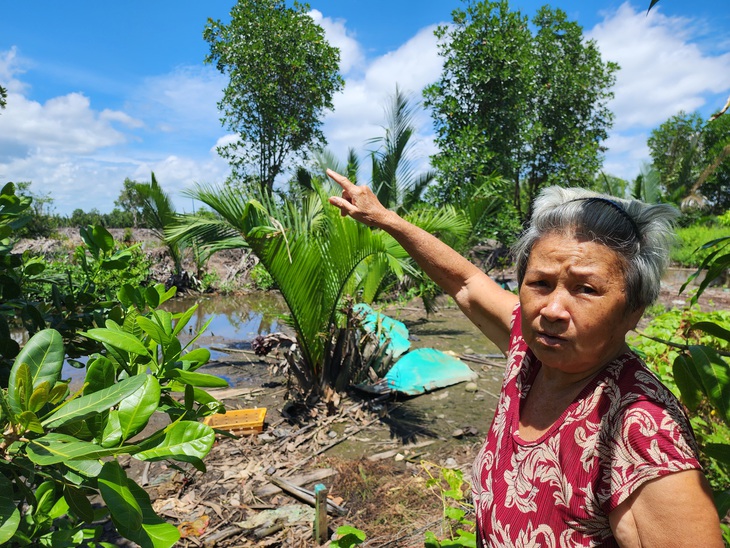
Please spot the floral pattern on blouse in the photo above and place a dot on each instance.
(623, 429)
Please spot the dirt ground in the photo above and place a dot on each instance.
(377, 457)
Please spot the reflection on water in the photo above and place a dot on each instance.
(232, 318)
(236, 318)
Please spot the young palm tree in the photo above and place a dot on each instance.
(315, 256)
(159, 213)
(394, 180)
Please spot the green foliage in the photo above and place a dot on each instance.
(314, 256)
(394, 182)
(450, 486)
(261, 278)
(676, 155)
(692, 157)
(687, 252)
(282, 76)
(347, 537)
(527, 105)
(58, 443)
(158, 212)
(697, 345)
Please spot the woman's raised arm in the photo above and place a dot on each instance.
(484, 302)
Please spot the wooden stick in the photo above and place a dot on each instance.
(320, 513)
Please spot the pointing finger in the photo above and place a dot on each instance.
(339, 179)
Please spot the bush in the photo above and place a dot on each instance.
(59, 449)
(261, 278)
(689, 239)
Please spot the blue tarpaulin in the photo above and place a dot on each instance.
(416, 371)
(391, 332)
(425, 369)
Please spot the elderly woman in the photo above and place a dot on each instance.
(587, 447)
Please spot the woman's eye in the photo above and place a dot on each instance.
(586, 290)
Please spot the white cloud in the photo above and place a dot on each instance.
(663, 70)
(183, 100)
(81, 156)
(170, 123)
(351, 54)
(359, 109)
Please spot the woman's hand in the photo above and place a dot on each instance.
(358, 202)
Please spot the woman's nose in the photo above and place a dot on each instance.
(554, 308)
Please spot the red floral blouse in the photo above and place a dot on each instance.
(623, 429)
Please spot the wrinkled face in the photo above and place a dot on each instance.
(574, 313)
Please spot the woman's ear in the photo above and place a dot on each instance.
(635, 317)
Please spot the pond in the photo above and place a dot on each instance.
(235, 321)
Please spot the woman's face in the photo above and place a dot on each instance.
(574, 313)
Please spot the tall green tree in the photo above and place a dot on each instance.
(282, 76)
(714, 181)
(675, 150)
(692, 157)
(129, 200)
(523, 101)
(3, 97)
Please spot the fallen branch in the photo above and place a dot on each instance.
(302, 479)
(394, 452)
(305, 495)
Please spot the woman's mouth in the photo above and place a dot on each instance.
(548, 339)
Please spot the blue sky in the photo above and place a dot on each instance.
(103, 91)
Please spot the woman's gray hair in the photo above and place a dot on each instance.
(640, 233)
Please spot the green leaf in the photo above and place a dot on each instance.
(55, 448)
(23, 383)
(199, 356)
(125, 510)
(112, 434)
(9, 514)
(182, 439)
(99, 374)
(135, 410)
(348, 536)
(152, 297)
(118, 339)
(184, 319)
(96, 236)
(43, 354)
(29, 422)
(87, 468)
(719, 452)
(154, 330)
(130, 296)
(687, 380)
(132, 512)
(713, 329)
(714, 373)
(78, 503)
(197, 379)
(86, 406)
(40, 396)
(58, 393)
